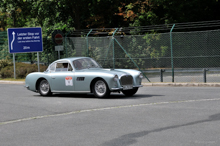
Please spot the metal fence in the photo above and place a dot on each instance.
(195, 55)
(188, 57)
(3, 44)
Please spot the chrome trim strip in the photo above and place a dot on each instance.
(55, 91)
(122, 75)
(138, 86)
(116, 88)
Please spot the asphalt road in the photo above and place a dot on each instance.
(155, 116)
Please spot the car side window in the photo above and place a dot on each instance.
(77, 64)
(69, 67)
(53, 67)
(63, 66)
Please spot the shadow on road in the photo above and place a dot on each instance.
(112, 96)
(130, 139)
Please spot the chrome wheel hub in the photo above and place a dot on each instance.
(100, 88)
(44, 87)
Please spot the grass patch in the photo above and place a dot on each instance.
(11, 79)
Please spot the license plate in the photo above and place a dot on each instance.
(127, 87)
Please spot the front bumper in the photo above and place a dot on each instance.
(26, 86)
(121, 88)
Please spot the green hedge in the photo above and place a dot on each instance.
(22, 69)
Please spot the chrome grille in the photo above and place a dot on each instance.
(126, 80)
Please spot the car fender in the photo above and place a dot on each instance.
(83, 79)
(32, 79)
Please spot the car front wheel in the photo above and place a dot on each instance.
(130, 92)
(44, 88)
(100, 89)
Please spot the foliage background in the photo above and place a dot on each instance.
(69, 15)
(151, 49)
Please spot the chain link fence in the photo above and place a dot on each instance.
(196, 55)
(3, 44)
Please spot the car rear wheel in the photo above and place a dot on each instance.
(44, 88)
(100, 89)
(130, 92)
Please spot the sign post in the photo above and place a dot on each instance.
(25, 40)
(58, 48)
(14, 65)
(38, 62)
(58, 40)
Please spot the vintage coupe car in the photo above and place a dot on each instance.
(83, 75)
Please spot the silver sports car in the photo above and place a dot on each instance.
(83, 75)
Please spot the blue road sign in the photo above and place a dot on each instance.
(21, 40)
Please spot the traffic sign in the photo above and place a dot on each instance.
(21, 40)
(58, 48)
(58, 38)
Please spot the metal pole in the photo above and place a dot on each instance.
(204, 74)
(132, 59)
(87, 42)
(47, 52)
(113, 52)
(65, 43)
(161, 74)
(114, 48)
(14, 65)
(38, 62)
(58, 54)
(171, 48)
(47, 47)
(108, 50)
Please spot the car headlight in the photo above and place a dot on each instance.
(115, 78)
(141, 75)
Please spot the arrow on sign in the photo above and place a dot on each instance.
(13, 33)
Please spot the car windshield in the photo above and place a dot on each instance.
(85, 63)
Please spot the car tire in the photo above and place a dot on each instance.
(100, 89)
(44, 88)
(130, 92)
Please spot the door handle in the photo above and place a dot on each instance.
(53, 77)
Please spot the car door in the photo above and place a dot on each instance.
(62, 78)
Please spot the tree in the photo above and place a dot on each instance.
(152, 12)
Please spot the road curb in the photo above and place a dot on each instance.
(183, 84)
(12, 82)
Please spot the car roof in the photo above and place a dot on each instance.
(71, 58)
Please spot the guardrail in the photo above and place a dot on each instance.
(184, 75)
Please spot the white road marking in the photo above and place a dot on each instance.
(102, 109)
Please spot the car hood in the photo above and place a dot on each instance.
(102, 70)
